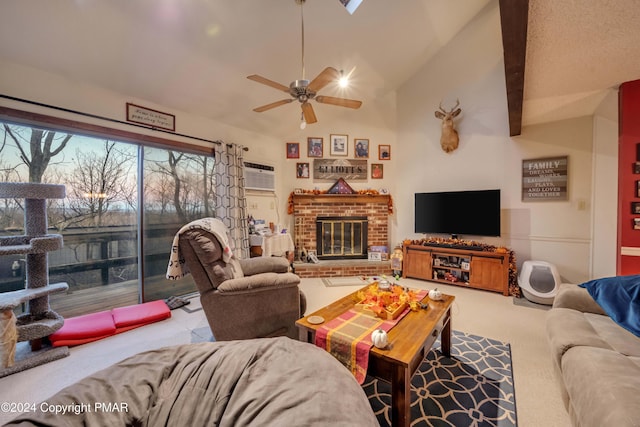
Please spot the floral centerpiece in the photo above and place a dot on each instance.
(386, 303)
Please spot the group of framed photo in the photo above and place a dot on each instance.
(338, 146)
(635, 206)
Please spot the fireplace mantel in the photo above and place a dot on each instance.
(341, 198)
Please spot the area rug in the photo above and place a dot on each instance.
(344, 281)
(472, 388)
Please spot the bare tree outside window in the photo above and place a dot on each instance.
(37, 148)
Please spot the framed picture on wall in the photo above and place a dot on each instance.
(635, 208)
(377, 171)
(636, 223)
(384, 152)
(293, 150)
(636, 167)
(637, 188)
(361, 148)
(339, 145)
(302, 170)
(314, 146)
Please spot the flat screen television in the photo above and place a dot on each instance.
(474, 213)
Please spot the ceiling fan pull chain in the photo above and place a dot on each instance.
(302, 21)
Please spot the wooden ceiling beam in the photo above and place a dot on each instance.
(514, 15)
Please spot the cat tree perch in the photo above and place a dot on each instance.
(39, 321)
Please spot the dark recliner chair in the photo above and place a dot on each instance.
(246, 298)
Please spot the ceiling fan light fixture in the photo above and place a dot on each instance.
(303, 123)
(343, 81)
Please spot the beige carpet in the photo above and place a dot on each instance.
(482, 313)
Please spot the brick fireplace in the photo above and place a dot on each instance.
(308, 207)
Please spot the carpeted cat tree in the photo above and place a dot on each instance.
(39, 321)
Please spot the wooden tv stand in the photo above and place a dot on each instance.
(463, 267)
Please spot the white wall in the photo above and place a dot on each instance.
(558, 232)
(605, 191)
(477, 80)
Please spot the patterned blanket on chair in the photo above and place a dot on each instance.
(177, 268)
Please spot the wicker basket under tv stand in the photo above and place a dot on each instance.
(471, 268)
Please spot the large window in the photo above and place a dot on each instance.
(105, 260)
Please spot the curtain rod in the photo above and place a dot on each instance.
(95, 116)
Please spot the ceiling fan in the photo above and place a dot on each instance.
(304, 90)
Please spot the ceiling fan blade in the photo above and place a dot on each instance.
(327, 75)
(342, 102)
(272, 105)
(309, 114)
(265, 81)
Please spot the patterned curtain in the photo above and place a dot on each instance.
(231, 202)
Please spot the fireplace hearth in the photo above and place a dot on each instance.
(341, 237)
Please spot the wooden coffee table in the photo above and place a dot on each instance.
(409, 342)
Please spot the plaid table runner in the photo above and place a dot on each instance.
(348, 337)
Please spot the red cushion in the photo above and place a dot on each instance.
(140, 314)
(86, 326)
(71, 343)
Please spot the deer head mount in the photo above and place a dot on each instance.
(449, 138)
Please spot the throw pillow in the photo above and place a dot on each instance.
(619, 297)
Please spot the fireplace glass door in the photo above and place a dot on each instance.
(341, 237)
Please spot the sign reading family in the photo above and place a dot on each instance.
(332, 169)
(545, 179)
(149, 117)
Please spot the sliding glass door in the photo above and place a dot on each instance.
(113, 254)
(178, 188)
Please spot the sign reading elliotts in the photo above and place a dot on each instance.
(332, 169)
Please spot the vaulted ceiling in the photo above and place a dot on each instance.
(194, 55)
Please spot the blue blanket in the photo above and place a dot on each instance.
(619, 297)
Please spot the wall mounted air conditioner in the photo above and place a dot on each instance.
(259, 177)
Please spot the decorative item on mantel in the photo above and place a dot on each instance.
(339, 184)
(514, 288)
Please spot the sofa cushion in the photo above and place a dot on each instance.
(567, 328)
(604, 387)
(140, 314)
(619, 296)
(621, 340)
(91, 325)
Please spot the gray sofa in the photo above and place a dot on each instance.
(597, 361)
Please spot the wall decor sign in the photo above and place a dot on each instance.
(149, 117)
(545, 178)
(332, 169)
